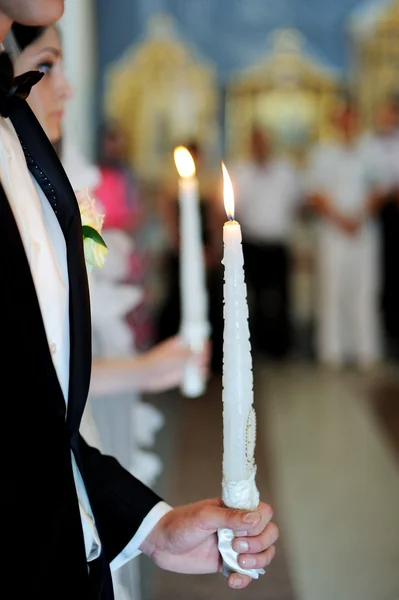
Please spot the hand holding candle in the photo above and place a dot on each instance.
(194, 304)
(239, 487)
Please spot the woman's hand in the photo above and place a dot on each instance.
(162, 368)
(158, 370)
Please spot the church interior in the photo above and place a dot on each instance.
(151, 75)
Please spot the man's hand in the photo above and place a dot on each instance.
(348, 225)
(326, 208)
(185, 539)
(162, 368)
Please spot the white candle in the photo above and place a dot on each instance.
(238, 412)
(238, 487)
(194, 301)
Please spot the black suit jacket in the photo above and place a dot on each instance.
(41, 536)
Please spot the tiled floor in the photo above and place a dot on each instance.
(326, 461)
(336, 481)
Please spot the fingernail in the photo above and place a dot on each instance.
(240, 533)
(241, 546)
(248, 562)
(252, 518)
(236, 582)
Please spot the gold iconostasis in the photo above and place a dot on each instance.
(164, 93)
(288, 92)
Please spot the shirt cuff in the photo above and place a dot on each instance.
(132, 549)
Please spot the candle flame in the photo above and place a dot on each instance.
(184, 162)
(228, 193)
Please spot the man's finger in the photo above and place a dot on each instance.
(257, 561)
(259, 543)
(238, 582)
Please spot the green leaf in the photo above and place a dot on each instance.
(91, 233)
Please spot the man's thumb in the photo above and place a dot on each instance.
(231, 518)
(240, 520)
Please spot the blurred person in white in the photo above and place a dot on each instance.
(268, 196)
(341, 192)
(381, 146)
(114, 420)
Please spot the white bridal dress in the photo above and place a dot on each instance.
(121, 425)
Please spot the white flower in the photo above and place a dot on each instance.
(88, 210)
(95, 248)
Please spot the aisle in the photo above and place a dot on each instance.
(336, 479)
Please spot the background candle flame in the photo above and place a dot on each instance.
(184, 162)
(228, 193)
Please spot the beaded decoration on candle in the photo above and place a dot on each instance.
(251, 441)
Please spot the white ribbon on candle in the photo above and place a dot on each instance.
(195, 335)
(242, 495)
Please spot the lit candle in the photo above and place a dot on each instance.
(194, 302)
(238, 412)
(238, 487)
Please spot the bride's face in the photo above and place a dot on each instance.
(48, 97)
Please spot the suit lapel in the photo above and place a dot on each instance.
(39, 151)
(62, 198)
(79, 324)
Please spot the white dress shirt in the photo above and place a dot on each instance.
(381, 151)
(267, 197)
(45, 248)
(343, 174)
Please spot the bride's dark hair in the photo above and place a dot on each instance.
(24, 35)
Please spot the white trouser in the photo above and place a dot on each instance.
(348, 289)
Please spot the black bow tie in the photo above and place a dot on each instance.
(14, 87)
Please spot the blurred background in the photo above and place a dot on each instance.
(300, 98)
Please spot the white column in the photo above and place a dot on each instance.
(78, 30)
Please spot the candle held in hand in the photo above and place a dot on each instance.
(238, 487)
(194, 301)
(238, 413)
